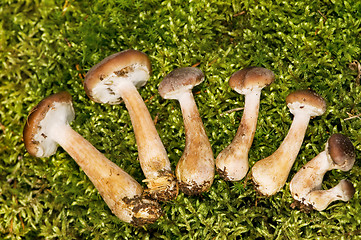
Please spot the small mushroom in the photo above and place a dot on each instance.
(195, 169)
(339, 154)
(48, 126)
(270, 174)
(320, 199)
(117, 77)
(232, 162)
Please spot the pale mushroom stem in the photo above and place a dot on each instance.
(232, 162)
(111, 181)
(246, 131)
(320, 199)
(153, 157)
(274, 170)
(194, 130)
(310, 176)
(292, 143)
(197, 161)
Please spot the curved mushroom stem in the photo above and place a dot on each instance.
(310, 176)
(320, 199)
(118, 189)
(195, 169)
(270, 174)
(339, 154)
(153, 157)
(232, 162)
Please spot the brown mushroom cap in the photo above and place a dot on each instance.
(35, 139)
(119, 66)
(341, 151)
(306, 100)
(347, 188)
(180, 80)
(250, 78)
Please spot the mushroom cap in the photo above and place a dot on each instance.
(347, 188)
(306, 101)
(341, 151)
(251, 78)
(100, 81)
(36, 141)
(180, 80)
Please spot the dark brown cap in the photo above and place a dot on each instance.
(251, 78)
(129, 65)
(342, 151)
(180, 80)
(35, 139)
(306, 100)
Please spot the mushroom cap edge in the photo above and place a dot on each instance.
(37, 114)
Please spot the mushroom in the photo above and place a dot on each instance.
(320, 199)
(48, 126)
(195, 169)
(116, 77)
(270, 174)
(232, 162)
(339, 154)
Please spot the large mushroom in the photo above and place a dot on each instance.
(232, 162)
(339, 154)
(270, 174)
(48, 126)
(195, 169)
(117, 77)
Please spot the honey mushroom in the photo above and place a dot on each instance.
(195, 169)
(48, 126)
(271, 173)
(232, 162)
(117, 77)
(339, 154)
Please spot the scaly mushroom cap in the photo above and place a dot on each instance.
(179, 81)
(251, 78)
(306, 100)
(101, 80)
(57, 107)
(341, 151)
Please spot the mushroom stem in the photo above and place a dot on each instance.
(195, 169)
(310, 176)
(191, 120)
(233, 160)
(153, 157)
(107, 177)
(271, 173)
(320, 199)
(118, 189)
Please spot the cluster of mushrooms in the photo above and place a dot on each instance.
(117, 77)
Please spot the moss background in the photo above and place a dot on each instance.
(48, 46)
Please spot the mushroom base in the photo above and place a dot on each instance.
(163, 188)
(193, 188)
(145, 211)
(223, 174)
(226, 176)
(306, 208)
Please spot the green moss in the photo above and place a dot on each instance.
(47, 46)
